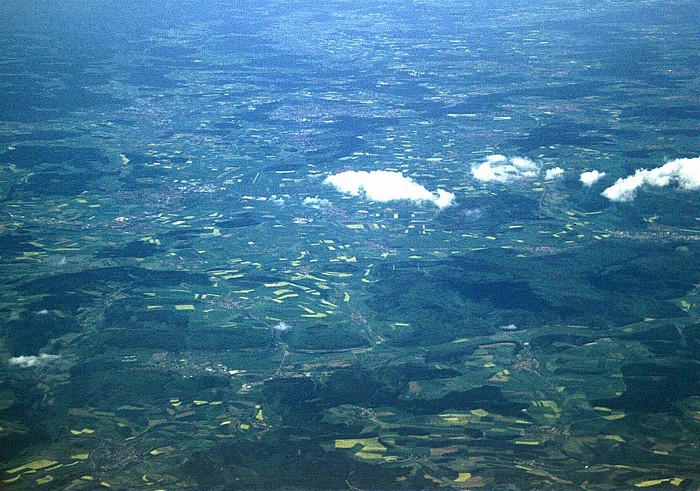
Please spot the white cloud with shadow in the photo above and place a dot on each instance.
(683, 173)
(380, 185)
(502, 169)
(554, 173)
(32, 360)
(316, 202)
(591, 177)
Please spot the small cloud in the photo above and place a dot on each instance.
(385, 186)
(316, 202)
(499, 168)
(591, 177)
(684, 173)
(443, 199)
(279, 329)
(278, 200)
(555, 173)
(281, 326)
(32, 361)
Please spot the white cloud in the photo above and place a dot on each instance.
(554, 173)
(281, 326)
(316, 202)
(591, 177)
(443, 198)
(685, 173)
(380, 185)
(278, 200)
(499, 168)
(31, 361)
